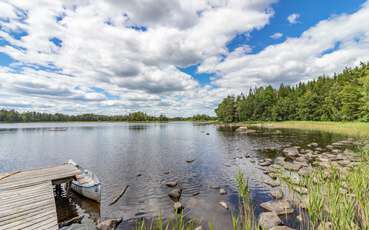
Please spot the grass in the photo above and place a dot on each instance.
(357, 129)
(243, 221)
(342, 200)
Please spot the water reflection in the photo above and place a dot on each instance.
(119, 152)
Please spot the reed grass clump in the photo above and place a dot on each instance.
(340, 199)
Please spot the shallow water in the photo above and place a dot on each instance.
(118, 152)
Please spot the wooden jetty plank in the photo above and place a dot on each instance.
(52, 174)
(27, 197)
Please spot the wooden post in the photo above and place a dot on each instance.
(67, 188)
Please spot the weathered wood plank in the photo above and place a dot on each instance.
(27, 197)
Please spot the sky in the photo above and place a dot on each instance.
(178, 57)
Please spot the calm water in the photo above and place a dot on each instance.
(118, 152)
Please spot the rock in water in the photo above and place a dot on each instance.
(214, 186)
(223, 204)
(277, 194)
(178, 207)
(175, 194)
(291, 152)
(195, 193)
(109, 224)
(171, 184)
(190, 161)
(272, 183)
(278, 206)
(268, 220)
(222, 191)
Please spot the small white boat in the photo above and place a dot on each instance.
(87, 184)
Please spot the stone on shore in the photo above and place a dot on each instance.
(109, 224)
(268, 220)
(278, 206)
(175, 194)
(272, 183)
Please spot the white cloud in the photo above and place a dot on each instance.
(130, 50)
(328, 47)
(276, 35)
(122, 56)
(293, 18)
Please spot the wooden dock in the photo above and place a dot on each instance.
(27, 197)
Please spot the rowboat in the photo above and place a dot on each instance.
(86, 184)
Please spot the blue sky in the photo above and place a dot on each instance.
(180, 58)
(310, 13)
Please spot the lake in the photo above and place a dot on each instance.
(145, 156)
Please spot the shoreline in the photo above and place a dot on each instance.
(354, 129)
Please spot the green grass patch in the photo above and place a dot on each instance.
(356, 129)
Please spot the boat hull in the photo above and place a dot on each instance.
(91, 192)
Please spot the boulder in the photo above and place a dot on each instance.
(175, 194)
(291, 152)
(268, 220)
(109, 224)
(278, 206)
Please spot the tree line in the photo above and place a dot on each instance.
(342, 97)
(13, 116)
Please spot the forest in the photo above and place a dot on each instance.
(12, 116)
(342, 97)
